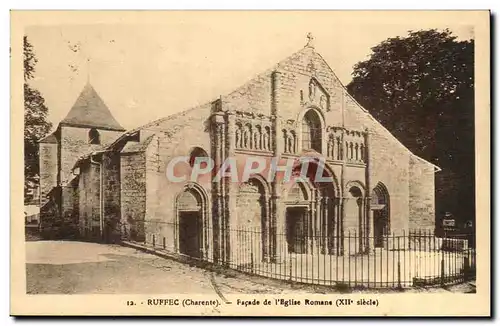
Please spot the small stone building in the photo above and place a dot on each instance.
(89, 126)
(100, 182)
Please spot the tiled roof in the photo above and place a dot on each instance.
(89, 110)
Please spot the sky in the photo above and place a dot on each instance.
(148, 69)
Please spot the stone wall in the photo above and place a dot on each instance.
(389, 166)
(48, 170)
(422, 202)
(111, 192)
(172, 137)
(133, 195)
(388, 163)
(75, 143)
(70, 210)
(50, 197)
(89, 201)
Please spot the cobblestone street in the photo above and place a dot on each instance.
(67, 267)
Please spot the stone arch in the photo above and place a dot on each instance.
(298, 191)
(94, 137)
(312, 212)
(380, 205)
(355, 183)
(262, 180)
(330, 225)
(284, 135)
(309, 178)
(254, 219)
(196, 152)
(191, 222)
(355, 216)
(329, 173)
(312, 127)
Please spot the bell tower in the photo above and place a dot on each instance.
(89, 126)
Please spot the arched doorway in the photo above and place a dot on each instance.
(297, 218)
(311, 214)
(380, 206)
(191, 210)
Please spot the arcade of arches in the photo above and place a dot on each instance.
(309, 217)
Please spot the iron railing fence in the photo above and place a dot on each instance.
(407, 259)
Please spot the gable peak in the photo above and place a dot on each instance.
(89, 110)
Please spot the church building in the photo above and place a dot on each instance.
(103, 183)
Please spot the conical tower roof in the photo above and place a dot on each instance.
(89, 110)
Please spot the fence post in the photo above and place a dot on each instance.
(409, 239)
(399, 275)
(153, 241)
(442, 270)
(399, 263)
(251, 249)
(466, 268)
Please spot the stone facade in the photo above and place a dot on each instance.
(70, 204)
(48, 170)
(297, 108)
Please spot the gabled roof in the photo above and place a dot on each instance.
(135, 147)
(49, 139)
(251, 93)
(354, 115)
(89, 110)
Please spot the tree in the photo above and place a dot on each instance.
(36, 125)
(421, 88)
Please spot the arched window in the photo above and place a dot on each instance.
(285, 139)
(311, 131)
(94, 137)
(380, 205)
(197, 152)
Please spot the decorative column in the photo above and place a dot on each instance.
(277, 145)
(231, 189)
(363, 240)
(369, 213)
(268, 243)
(325, 225)
(316, 225)
(343, 152)
(338, 224)
(216, 130)
(277, 220)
